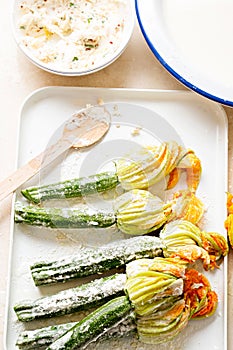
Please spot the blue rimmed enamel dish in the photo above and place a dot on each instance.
(192, 41)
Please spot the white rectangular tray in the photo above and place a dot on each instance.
(200, 124)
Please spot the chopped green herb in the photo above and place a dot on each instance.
(22, 27)
(75, 58)
(90, 46)
(89, 20)
(71, 4)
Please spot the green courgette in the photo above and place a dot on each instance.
(43, 337)
(72, 188)
(90, 261)
(63, 217)
(83, 297)
(91, 327)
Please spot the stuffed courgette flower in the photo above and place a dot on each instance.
(134, 212)
(166, 295)
(185, 240)
(138, 170)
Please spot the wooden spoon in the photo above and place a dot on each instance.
(84, 129)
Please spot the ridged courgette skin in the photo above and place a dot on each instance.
(90, 261)
(72, 188)
(43, 337)
(63, 217)
(91, 327)
(92, 294)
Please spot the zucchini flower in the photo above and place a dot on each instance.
(138, 170)
(152, 283)
(140, 212)
(165, 296)
(143, 169)
(229, 220)
(185, 240)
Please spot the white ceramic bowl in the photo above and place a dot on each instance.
(81, 38)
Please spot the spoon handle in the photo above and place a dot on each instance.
(24, 173)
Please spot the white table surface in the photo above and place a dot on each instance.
(136, 68)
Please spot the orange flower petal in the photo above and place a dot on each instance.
(173, 178)
(229, 227)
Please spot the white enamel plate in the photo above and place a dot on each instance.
(192, 40)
